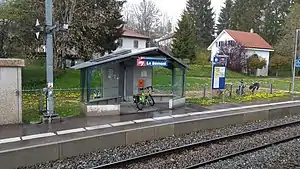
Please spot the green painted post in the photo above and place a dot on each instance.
(183, 83)
(88, 84)
(82, 83)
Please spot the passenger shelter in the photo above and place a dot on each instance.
(121, 74)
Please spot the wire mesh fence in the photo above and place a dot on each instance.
(232, 90)
(67, 101)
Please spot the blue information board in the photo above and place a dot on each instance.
(219, 72)
(298, 63)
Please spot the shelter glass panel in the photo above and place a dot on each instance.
(110, 78)
(96, 84)
(162, 80)
(177, 82)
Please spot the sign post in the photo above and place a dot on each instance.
(295, 63)
(218, 76)
(49, 28)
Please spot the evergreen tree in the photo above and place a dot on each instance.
(203, 17)
(224, 20)
(247, 15)
(285, 46)
(274, 17)
(183, 45)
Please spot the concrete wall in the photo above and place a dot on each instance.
(100, 110)
(11, 91)
(176, 102)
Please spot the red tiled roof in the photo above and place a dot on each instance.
(130, 33)
(249, 40)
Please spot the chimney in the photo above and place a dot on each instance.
(251, 31)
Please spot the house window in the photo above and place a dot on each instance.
(136, 44)
(120, 42)
(231, 43)
(222, 43)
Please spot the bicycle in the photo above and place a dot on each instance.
(240, 90)
(144, 98)
(225, 92)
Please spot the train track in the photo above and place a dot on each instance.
(195, 166)
(146, 157)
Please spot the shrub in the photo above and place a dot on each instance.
(278, 62)
(202, 57)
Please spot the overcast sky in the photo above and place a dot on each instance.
(175, 7)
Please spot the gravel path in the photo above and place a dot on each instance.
(209, 152)
(282, 156)
(125, 152)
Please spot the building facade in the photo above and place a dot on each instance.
(132, 40)
(252, 42)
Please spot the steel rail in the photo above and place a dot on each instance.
(242, 152)
(193, 145)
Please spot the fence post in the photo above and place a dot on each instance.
(230, 91)
(204, 91)
(271, 88)
(41, 101)
(290, 87)
(223, 95)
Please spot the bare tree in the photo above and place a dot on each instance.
(164, 26)
(145, 16)
(128, 16)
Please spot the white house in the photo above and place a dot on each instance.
(253, 43)
(132, 40)
(165, 42)
(128, 40)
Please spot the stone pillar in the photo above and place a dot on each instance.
(11, 91)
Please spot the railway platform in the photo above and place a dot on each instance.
(12, 131)
(66, 139)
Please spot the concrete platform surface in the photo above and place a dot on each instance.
(116, 125)
(31, 149)
(9, 131)
(12, 131)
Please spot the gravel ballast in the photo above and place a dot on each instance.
(124, 152)
(209, 152)
(283, 156)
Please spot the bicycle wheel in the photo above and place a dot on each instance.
(141, 102)
(150, 100)
(139, 105)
